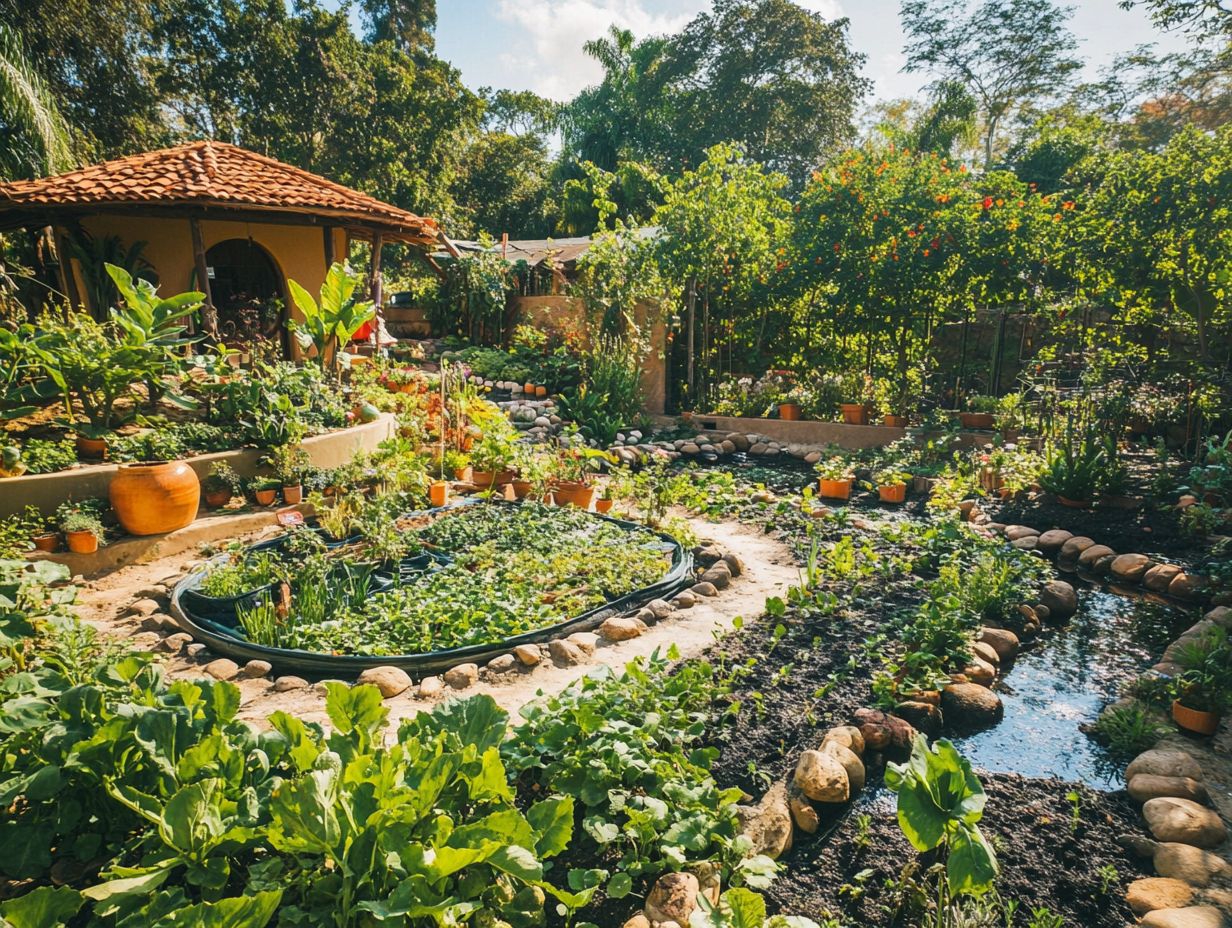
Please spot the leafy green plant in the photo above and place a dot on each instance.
(329, 325)
(288, 462)
(1074, 469)
(1128, 729)
(222, 476)
(940, 804)
(1205, 680)
(154, 325)
(742, 908)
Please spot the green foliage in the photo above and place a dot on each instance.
(39, 141)
(328, 326)
(1128, 729)
(1205, 680)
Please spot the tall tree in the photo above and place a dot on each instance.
(1205, 17)
(1010, 54)
(34, 138)
(409, 24)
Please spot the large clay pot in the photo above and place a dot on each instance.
(834, 489)
(487, 479)
(854, 413)
(1195, 720)
(150, 499)
(569, 493)
(976, 420)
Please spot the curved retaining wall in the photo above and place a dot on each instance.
(47, 491)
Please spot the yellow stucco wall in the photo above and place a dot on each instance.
(298, 251)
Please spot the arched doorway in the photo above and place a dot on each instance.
(248, 294)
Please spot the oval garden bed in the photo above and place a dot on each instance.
(446, 586)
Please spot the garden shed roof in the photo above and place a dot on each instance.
(213, 179)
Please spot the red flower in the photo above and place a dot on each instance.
(987, 202)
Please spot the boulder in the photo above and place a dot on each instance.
(923, 716)
(1160, 576)
(502, 663)
(673, 898)
(1050, 542)
(848, 736)
(1092, 554)
(1157, 892)
(1221, 616)
(1186, 586)
(719, 576)
(566, 652)
(803, 812)
(1074, 546)
(1183, 821)
(1194, 916)
(981, 672)
(660, 608)
(621, 628)
(222, 669)
(969, 705)
(768, 824)
(1042, 612)
(1130, 568)
(1003, 641)
(1162, 762)
(1060, 598)
(255, 669)
(528, 654)
(705, 588)
(430, 688)
(851, 763)
(1147, 786)
(461, 676)
(822, 777)
(1191, 864)
(391, 681)
(289, 683)
(707, 555)
(1025, 543)
(1014, 532)
(1104, 565)
(587, 641)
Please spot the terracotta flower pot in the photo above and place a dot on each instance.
(48, 541)
(521, 489)
(893, 493)
(293, 495)
(264, 497)
(463, 474)
(155, 498)
(528, 387)
(976, 420)
(570, 493)
(438, 493)
(854, 413)
(91, 448)
(604, 506)
(1074, 503)
(834, 489)
(789, 412)
(486, 479)
(895, 422)
(216, 499)
(541, 391)
(1011, 433)
(1195, 720)
(81, 542)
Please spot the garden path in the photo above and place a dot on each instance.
(769, 570)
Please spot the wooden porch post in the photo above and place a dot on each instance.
(374, 284)
(329, 247)
(67, 277)
(208, 313)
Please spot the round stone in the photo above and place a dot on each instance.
(462, 676)
(391, 681)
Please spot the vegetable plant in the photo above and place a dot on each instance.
(328, 326)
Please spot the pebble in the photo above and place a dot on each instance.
(719, 577)
(143, 607)
(255, 669)
(705, 588)
(660, 608)
(288, 683)
(621, 628)
(1164, 763)
(685, 599)
(196, 650)
(222, 669)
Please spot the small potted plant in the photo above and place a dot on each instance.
(91, 439)
(457, 463)
(221, 485)
(1072, 473)
(793, 401)
(834, 477)
(575, 471)
(857, 390)
(1011, 414)
(264, 490)
(979, 412)
(288, 463)
(1203, 689)
(11, 464)
(492, 456)
(83, 531)
(892, 484)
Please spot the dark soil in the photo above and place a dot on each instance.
(1045, 862)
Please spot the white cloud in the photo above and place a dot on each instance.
(830, 9)
(551, 61)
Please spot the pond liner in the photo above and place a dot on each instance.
(224, 640)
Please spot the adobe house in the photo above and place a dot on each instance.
(216, 218)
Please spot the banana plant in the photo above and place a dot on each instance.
(329, 325)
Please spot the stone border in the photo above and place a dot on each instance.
(47, 491)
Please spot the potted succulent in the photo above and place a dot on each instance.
(264, 490)
(891, 484)
(221, 485)
(1203, 689)
(83, 531)
(1072, 473)
(834, 476)
(289, 462)
(979, 412)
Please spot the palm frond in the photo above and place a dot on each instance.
(41, 140)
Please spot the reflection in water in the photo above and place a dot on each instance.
(1063, 682)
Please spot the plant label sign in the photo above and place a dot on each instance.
(289, 517)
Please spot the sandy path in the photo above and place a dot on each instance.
(769, 571)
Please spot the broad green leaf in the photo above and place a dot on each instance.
(620, 885)
(192, 820)
(142, 884)
(972, 865)
(552, 819)
(239, 912)
(477, 720)
(45, 907)
(356, 709)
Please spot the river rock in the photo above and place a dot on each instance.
(1186, 586)
(1221, 616)
(587, 641)
(1162, 762)
(1191, 865)
(970, 705)
(502, 663)
(981, 672)
(822, 777)
(1042, 612)
(986, 652)
(660, 608)
(705, 588)
(1157, 892)
(1014, 532)
(851, 763)
(1092, 554)
(848, 736)
(1194, 916)
(719, 576)
(685, 599)
(803, 813)
(528, 654)
(1146, 786)
(707, 555)
(1050, 542)
(673, 898)
(461, 676)
(923, 716)
(143, 607)
(1184, 821)
(1160, 576)
(288, 683)
(1130, 568)
(566, 652)
(222, 669)
(175, 643)
(1003, 641)
(256, 669)
(1025, 543)
(1060, 598)
(430, 687)
(391, 681)
(768, 824)
(621, 628)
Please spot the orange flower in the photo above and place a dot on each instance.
(1068, 204)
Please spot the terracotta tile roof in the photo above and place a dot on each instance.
(212, 174)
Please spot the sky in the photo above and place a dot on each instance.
(537, 44)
